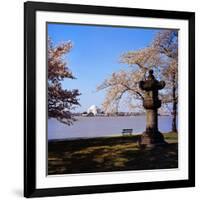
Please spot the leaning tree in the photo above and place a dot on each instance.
(60, 101)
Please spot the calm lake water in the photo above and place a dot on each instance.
(102, 126)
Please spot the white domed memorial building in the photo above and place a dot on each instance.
(94, 110)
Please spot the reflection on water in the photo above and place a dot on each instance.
(102, 126)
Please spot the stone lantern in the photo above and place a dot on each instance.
(151, 137)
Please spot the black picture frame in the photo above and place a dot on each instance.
(30, 9)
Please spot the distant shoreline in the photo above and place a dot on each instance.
(85, 115)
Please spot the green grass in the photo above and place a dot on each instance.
(110, 154)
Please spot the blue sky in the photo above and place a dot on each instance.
(95, 55)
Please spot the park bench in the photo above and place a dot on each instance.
(127, 131)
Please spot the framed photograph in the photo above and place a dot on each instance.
(109, 99)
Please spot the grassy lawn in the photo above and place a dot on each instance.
(110, 154)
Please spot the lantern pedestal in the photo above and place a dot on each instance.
(151, 137)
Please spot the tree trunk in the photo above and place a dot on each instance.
(174, 106)
(174, 114)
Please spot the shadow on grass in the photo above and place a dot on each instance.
(109, 154)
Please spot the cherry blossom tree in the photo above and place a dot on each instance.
(125, 82)
(166, 43)
(60, 101)
(162, 56)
